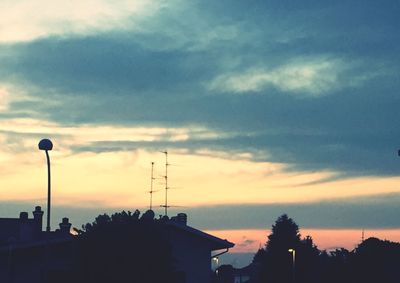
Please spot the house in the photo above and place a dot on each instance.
(192, 248)
(21, 229)
(28, 254)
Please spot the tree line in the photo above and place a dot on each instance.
(373, 260)
(129, 247)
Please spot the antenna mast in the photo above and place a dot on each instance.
(166, 183)
(151, 185)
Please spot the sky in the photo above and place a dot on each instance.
(265, 107)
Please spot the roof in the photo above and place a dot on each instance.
(10, 228)
(216, 243)
(52, 240)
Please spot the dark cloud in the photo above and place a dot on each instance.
(374, 212)
(103, 66)
(245, 243)
(371, 212)
(161, 77)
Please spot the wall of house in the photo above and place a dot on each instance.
(193, 257)
(35, 264)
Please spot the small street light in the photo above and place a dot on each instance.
(46, 145)
(215, 262)
(293, 252)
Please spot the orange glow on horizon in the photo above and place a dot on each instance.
(250, 240)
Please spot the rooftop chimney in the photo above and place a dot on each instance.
(65, 226)
(38, 217)
(182, 218)
(23, 216)
(25, 230)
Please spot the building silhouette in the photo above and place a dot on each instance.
(191, 248)
(29, 254)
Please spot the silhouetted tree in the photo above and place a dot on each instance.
(124, 248)
(258, 263)
(259, 257)
(307, 261)
(334, 266)
(275, 263)
(375, 260)
(278, 265)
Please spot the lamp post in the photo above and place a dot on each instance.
(46, 145)
(293, 252)
(216, 259)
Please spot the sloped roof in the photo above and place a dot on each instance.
(215, 242)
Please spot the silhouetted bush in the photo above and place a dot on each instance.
(124, 248)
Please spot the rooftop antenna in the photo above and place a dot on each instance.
(151, 185)
(362, 236)
(166, 184)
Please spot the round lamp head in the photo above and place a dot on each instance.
(45, 144)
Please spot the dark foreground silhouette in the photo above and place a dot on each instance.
(123, 248)
(373, 260)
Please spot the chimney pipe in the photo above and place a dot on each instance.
(65, 226)
(23, 216)
(38, 217)
(182, 218)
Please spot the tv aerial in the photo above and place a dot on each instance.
(166, 188)
(152, 191)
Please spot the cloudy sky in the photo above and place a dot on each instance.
(265, 107)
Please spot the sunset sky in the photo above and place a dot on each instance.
(265, 107)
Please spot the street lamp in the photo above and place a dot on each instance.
(293, 252)
(215, 261)
(46, 145)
